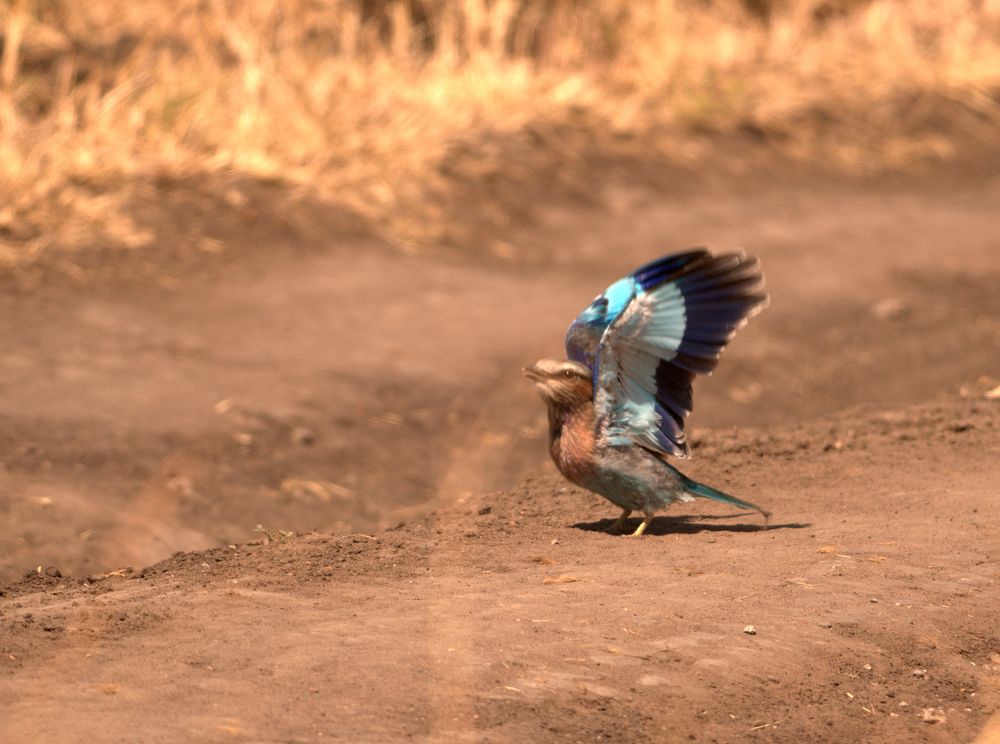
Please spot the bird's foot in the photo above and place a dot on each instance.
(618, 526)
(642, 527)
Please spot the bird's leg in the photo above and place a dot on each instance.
(642, 526)
(619, 524)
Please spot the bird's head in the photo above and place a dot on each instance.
(561, 382)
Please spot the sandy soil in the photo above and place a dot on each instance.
(445, 584)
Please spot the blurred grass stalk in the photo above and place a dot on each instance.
(390, 109)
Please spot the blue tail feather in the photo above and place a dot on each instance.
(707, 492)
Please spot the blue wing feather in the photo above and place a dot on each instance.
(655, 272)
(650, 333)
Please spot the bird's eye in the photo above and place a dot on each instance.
(567, 374)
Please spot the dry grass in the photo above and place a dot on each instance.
(395, 112)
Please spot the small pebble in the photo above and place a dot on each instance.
(919, 672)
(933, 715)
(867, 667)
(750, 630)
(890, 308)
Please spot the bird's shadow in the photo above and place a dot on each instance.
(689, 524)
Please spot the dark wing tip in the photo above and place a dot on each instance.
(661, 270)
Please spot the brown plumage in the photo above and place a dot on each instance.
(567, 391)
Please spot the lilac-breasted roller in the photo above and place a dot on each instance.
(617, 406)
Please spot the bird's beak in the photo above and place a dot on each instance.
(533, 373)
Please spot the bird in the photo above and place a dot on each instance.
(617, 405)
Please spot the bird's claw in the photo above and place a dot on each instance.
(642, 527)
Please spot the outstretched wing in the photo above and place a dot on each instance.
(585, 333)
(659, 327)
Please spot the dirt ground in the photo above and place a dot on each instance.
(444, 584)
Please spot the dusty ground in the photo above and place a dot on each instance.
(446, 585)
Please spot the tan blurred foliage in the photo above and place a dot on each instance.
(393, 110)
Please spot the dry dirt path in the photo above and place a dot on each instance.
(347, 390)
(136, 420)
(510, 618)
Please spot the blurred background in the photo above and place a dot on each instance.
(279, 263)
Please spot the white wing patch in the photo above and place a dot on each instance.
(666, 322)
(649, 329)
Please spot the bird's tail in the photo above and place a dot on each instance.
(707, 492)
